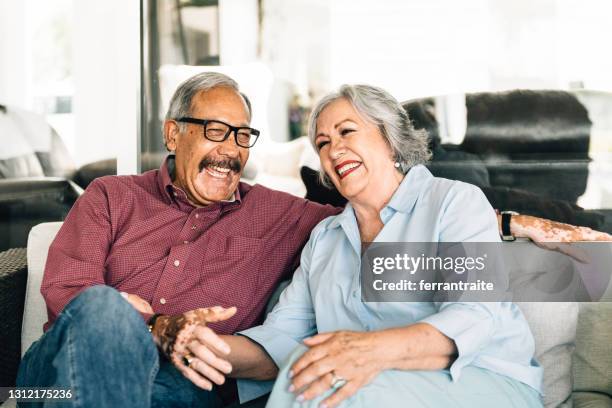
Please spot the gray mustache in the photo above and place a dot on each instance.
(232, 164)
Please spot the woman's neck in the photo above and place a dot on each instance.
(367, 210)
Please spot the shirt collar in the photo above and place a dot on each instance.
(404, 198)
(165, 176)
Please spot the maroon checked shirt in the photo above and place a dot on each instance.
(140, 235)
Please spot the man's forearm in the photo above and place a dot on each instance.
(249, 359)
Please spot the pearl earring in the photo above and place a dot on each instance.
(397, 165)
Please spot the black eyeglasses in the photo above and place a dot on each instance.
(217, 131)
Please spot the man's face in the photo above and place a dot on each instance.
(209, 171)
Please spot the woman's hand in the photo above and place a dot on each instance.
(351, 360)
(342, 357)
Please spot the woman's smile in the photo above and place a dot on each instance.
(347, 167)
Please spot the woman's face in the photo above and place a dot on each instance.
(353, 152)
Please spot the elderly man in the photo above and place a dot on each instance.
(147, 270)
(180, 244)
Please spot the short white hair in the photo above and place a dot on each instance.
(180, 104)
(409, 145)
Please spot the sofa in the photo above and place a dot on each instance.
(573, 341)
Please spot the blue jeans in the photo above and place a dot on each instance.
(101, 349)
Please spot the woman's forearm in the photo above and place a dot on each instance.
(249, 359)
(416, 347)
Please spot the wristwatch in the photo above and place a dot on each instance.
(505, 225)
(152, 320)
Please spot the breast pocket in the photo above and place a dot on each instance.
(230, 270)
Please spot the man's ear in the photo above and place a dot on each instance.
(171, 133)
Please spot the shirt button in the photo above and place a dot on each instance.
(177, 262)
(185, 242)
(197, 215)
(162, 301)
(194, 227)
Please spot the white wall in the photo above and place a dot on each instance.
(411, 48)
(106, 67)
(295, 45)
(13, 53)
(424, 48)
(583, 46)
(238, 31)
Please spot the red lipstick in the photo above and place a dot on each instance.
(344, 163)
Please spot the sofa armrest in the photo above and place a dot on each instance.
(25, 202)
(90, 171)
(35, 310)
(13, 276)
(20, 189)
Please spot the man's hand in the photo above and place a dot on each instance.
(556, 236)
(186, 339)
(139, 303)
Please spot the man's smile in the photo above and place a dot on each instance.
(217, 171)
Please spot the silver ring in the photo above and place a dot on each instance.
(188, 359)
(337, 382)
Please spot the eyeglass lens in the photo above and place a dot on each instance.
(217, 132)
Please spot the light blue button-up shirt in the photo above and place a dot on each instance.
(325, 293)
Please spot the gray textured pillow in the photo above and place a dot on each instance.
(591, 400)
(554, 329)
(593, 356)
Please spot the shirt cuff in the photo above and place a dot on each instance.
(146, 316)
(469, 327)
(277, 344)
(249, 390)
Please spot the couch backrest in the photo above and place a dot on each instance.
(523, 138)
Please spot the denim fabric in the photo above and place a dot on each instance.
(100, 348)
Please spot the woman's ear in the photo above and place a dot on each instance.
(171, 132)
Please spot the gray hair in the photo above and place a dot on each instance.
(180, 104)
(408, 145)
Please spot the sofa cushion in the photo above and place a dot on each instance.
(591, 400)
(593, 356)
(554, 329)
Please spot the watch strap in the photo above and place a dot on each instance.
(506, 218)
(152, 320)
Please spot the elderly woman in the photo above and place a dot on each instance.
(386, 354)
